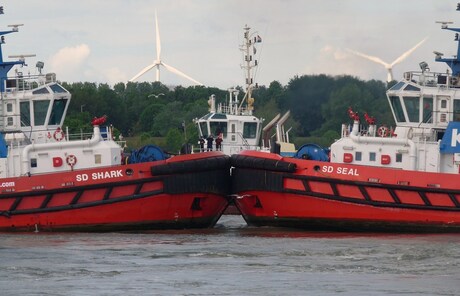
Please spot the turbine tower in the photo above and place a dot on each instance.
(387, 66)
(158, 62)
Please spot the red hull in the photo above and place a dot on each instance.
(156, 195)
(321, 195)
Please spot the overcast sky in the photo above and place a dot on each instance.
(111, 41)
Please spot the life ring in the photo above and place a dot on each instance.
(71, 160)
(383, 131)
(58, 134)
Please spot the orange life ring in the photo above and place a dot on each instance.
(383, 131)
(58, 134)
(71, 160)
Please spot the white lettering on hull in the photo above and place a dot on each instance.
(100, 175)
(340, 170)
(7, 184)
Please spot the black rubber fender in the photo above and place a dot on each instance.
(250, 162)
(195, 165)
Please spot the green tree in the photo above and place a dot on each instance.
(304, 97)
(174, 140)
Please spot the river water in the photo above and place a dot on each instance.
(231, 259)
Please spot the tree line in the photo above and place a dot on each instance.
(153, 113)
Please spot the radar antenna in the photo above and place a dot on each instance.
(22, 57)
(444, 24)
(15, 27)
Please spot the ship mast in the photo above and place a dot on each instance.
(453, 62)
(249, 51)
(5, 66)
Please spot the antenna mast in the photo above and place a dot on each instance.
(249, 51)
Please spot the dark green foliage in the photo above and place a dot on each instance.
(318, 105)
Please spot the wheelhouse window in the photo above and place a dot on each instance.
(42, 90)
(428, 110)
(397, 109)
(411, 88)
(57, 111)
(412, 107)
(219, 127)
(204, 128)
(40, 111)
(398, 86)
(25, 113)
(57, 88)
(456, 110)
(249, 130)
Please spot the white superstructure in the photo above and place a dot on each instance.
(234, 123)
(32, 113)
(426, 108)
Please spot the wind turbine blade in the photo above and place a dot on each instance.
(157, 37)
(369, 57)
(408, 53)
(146, 69)
(175, 71)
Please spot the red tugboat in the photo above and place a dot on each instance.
(49, 182)
(372, 179)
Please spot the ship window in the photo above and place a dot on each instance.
(358, 156)
(57, 111)
(412, 107)
(456, 110)
(10, 121)
(219, 116)
(397, 108)
(40, 110)
(249, 130)
(443, 117)
(11, 83)
(398, 157)
(204, 128)
(33, 162)
(97, 159)
(372, 156)
(397, 86)
(443, 104)
(57, 88)
(233, 133)
(428, 110)
(412, 88)
(25, 113)
(9, 107)
(207, 116)
(218, 127)
(42, 90)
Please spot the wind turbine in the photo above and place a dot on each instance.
(389, 67)
(158, 62)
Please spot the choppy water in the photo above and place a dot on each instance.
(231, 259)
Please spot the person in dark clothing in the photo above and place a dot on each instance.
(209, 140)
(201, 143)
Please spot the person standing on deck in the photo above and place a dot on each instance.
(219, 142)
(201, 143)
(209, 140)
